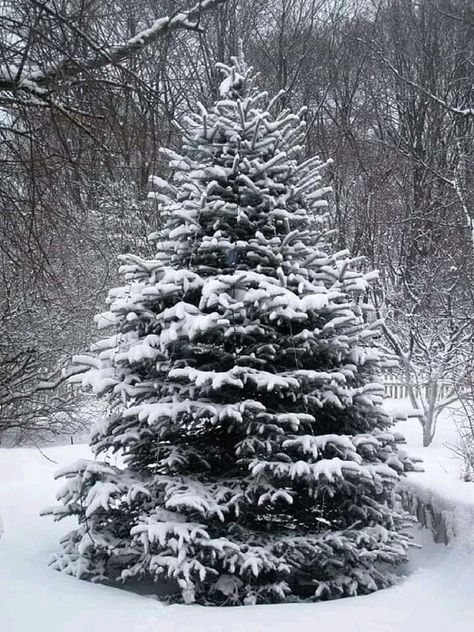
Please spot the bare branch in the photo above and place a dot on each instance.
(461, 112)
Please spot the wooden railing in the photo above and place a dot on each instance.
(395, 389)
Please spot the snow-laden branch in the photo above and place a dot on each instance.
(50, 384)
(428, 361)
(39, 82)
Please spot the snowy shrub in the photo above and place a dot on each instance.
(256, 461)
(463, 415)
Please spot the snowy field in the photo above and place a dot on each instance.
(437, 596)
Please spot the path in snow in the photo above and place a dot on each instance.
(438, 596)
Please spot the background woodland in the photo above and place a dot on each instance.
(388, 88)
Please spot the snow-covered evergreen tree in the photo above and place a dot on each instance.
(255, 462)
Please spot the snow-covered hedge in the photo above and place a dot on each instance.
(444, 505)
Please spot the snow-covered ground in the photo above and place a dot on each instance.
(438, 594)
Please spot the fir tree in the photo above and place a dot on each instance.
(256, 463)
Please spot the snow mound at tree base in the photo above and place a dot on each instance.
(438, 594)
